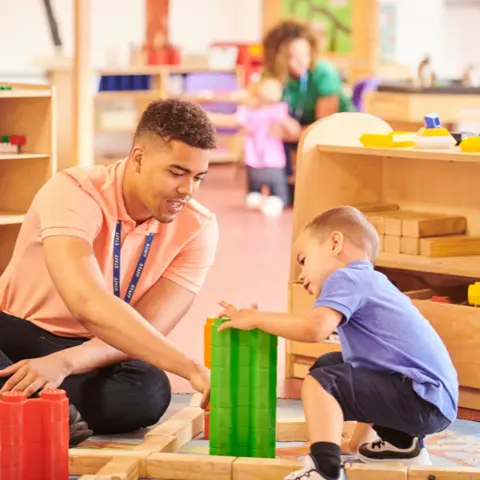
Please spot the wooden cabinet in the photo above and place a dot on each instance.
(26, 110)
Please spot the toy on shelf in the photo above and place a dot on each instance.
(388, 140)
(460, 136)
(6, 87)
(11, 143)
(474, 294)
(470, 144)
(433, 135)
(243, 392)
(34, 436)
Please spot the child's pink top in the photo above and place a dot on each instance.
(262, 149)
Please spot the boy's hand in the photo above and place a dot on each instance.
(243, 319)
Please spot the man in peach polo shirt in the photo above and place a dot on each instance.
(107, 262)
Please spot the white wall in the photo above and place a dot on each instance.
(194, 24)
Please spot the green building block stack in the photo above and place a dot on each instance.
(243, 397)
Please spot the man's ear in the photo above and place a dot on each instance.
(137, 157)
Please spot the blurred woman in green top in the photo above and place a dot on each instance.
(312, 87)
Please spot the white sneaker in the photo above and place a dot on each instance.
(254, 201)
(310, 472)
(381, 451)
(273, 206)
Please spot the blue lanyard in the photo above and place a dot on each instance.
(298, 112)
(117, 241)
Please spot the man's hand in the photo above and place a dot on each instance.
(29, 376)
(200, 381)
(243, 319)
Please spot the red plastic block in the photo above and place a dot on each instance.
(34, 436)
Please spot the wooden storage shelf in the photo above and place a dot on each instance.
(26, 110)
(335, 169)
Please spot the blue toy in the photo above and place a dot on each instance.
(432, 120)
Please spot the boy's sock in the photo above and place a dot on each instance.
(327, 457)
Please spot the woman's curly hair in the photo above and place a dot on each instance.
(275, 43)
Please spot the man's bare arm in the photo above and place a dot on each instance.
(79, 281)
(164, 305)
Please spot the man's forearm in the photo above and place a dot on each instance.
(116, 323)
(91, 355)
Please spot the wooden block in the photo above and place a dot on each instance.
(292, 430)
(393, 221)
(391, 244)
(184, 425)
(263, 468)
(433, 225)
(381, 244)
(158, 443)
(117, 469)
(443, 473)
(410, 245)
(179, 466)
(385, 471)
(90, 461)
(450, 246)
(368, 208)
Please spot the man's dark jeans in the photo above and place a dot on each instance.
(116, 399)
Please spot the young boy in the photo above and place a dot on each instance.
(394, 371)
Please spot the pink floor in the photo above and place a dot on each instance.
(252, 264)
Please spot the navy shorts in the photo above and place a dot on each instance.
(384, 400)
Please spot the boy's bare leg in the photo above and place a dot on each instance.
(363, 433)
(322, 412)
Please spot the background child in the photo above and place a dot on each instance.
(394, 371)
(265, 121)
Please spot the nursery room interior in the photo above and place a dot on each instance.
(366, 107)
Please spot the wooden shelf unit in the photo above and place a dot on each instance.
(25, 110)
(334, 169)
(135, 102)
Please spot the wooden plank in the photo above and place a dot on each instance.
(117, 469)
(178, 466)
(263, 468)
(292, 430)
(184, 426)
(373, 207)
(450, 246)
(90, 461)
(433, 225)
(443, 473)
(158, 443)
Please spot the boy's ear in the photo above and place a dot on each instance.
(337, 243)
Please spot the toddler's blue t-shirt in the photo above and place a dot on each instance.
(382, 330)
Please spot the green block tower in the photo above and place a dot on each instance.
(243, 399)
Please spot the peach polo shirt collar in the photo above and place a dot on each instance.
(149, 226)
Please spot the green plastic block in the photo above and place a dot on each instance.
(243, 392)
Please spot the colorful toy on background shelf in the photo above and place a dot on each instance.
(432, 120)
(474, 294)
(6, 87)
(437, 137)
(11, 143)
(388, 140)
(470, 144)
(243, 392)
(34, 436)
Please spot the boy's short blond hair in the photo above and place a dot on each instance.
(352, 223)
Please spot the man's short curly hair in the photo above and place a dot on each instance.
(180, 120)
(276, 41)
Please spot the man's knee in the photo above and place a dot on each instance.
(328, 359)
(136, 399)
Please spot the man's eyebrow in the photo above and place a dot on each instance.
(186, 170)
